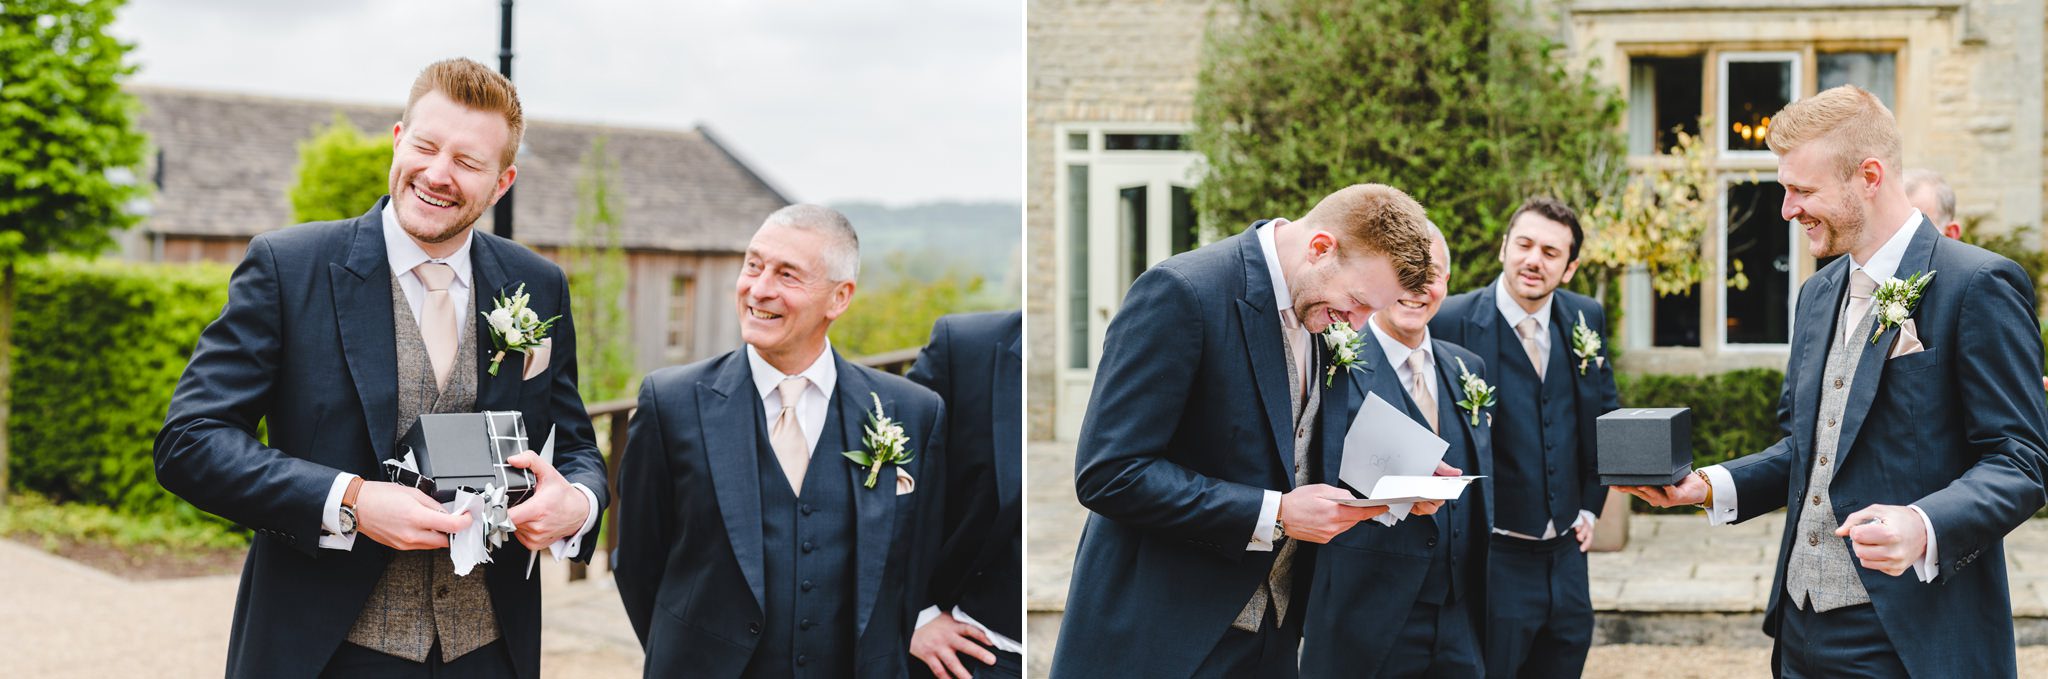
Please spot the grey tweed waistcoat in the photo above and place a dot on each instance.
(1821, 569)
(1277, 590)
(420, 599)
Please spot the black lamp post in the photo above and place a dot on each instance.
(501, 216)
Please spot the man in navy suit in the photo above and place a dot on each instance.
(1199, 451)
(749, 545)
(1408, 600)
(974, 604)
(1552, 386)
(1914, 429)
(338, 335)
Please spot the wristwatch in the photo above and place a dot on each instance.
(1279, 530)
(348, 506)
(1702, 473)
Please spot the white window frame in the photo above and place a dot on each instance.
(1721, 122)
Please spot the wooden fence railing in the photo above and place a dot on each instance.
(617, 414)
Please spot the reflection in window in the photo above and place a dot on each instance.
(1677, 319)
(1869, 70)
(1131, 222)
(1144, 142)
(1664, 95)
(1077, 267)
(1760, 249)
(1183, 226)
(1077, 141)
(1755, 91)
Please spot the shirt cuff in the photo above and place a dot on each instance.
(568, 546)
(1722, 511)
(1930, 565)
(927, 615)
(1262, 532)
(1587, 518)
(331, 536)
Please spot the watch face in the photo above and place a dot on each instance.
(347, 520)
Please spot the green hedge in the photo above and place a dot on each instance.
(98, 350)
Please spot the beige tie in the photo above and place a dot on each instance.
(1418, 387)
(787, 435)
(1530, 331)
(1297, 346)
(437, 318)
(1861, 287)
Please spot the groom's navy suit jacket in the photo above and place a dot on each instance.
(1188, 426)
(1368, 578)
(692, 558)
(1958, 429)
(306, 346)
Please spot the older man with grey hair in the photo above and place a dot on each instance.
(1926, 190)
(751, 544)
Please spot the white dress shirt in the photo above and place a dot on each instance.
(1269, 509)
(1397, 356)
(404, 254)
(1882, 265)
(811, 405)
(1513, 313)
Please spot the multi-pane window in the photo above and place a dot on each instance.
(682, 294)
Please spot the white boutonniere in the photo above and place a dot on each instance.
(1895, 300)
(1478, 394)
(1586, 345)
(514, 327)
(1344, 344)
(886, 443)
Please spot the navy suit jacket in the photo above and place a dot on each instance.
(975, 363)
(690, 563)
(307, 346)
(1187, 428)
(1472, 320)
(1958, 429)
(1368, 578)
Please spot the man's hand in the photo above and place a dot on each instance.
(1888, 538)
(554, 512)
(1690, 491)
(1583, 528)
(403, 518)
(1311, 516)
(1429, 507)
(940, 642)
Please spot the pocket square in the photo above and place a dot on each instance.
(905, 485)
(1908, 341)
(537, 359)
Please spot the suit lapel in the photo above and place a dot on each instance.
(1341, 401)
(875, 516)
(1006, 420)
(1480, 464)
(1817, 318)
(1870, 367)
(729, 414)
(1264, 347)
(501, 391)
(369, 341)
(1481, 334)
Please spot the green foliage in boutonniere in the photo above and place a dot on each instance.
(1895, 300)
(1344, 344)
(885, 440)
(1586, 345)
(1478, 394)
(514, 327)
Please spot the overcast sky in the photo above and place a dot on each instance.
(898, 101)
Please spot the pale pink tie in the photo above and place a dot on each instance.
(1418, 387)
(437, 318)
(1297, 347)
(1530, 330)
(1861, 287)
(787, 435)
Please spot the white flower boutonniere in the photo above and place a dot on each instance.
(1586, 345)
(1895, 300)
(1478, 394)
(514, 327)
(886, 442)
(1344, 344)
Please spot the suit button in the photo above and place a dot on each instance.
(1823, 460)
(808, 546)
(1816, 500)
(1432, 542)
(1550, 469)
(805, 625)
(807, 585)
(754, 628)
(802, 660)
(1831, 422)
(1838, 383)
(1812, 539)
(441, 592)
(805, 508)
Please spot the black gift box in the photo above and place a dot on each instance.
(465, 451)
(1645, 446)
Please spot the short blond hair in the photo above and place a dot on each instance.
(475, 86)
(1379, 219)
(1849, 122)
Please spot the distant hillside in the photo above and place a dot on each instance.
(984, 239)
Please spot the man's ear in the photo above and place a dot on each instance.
(505, 182)
(1569, 269)
(842, 298)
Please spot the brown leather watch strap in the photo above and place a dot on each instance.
(348, 497)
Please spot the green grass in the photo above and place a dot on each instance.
(34, 518)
